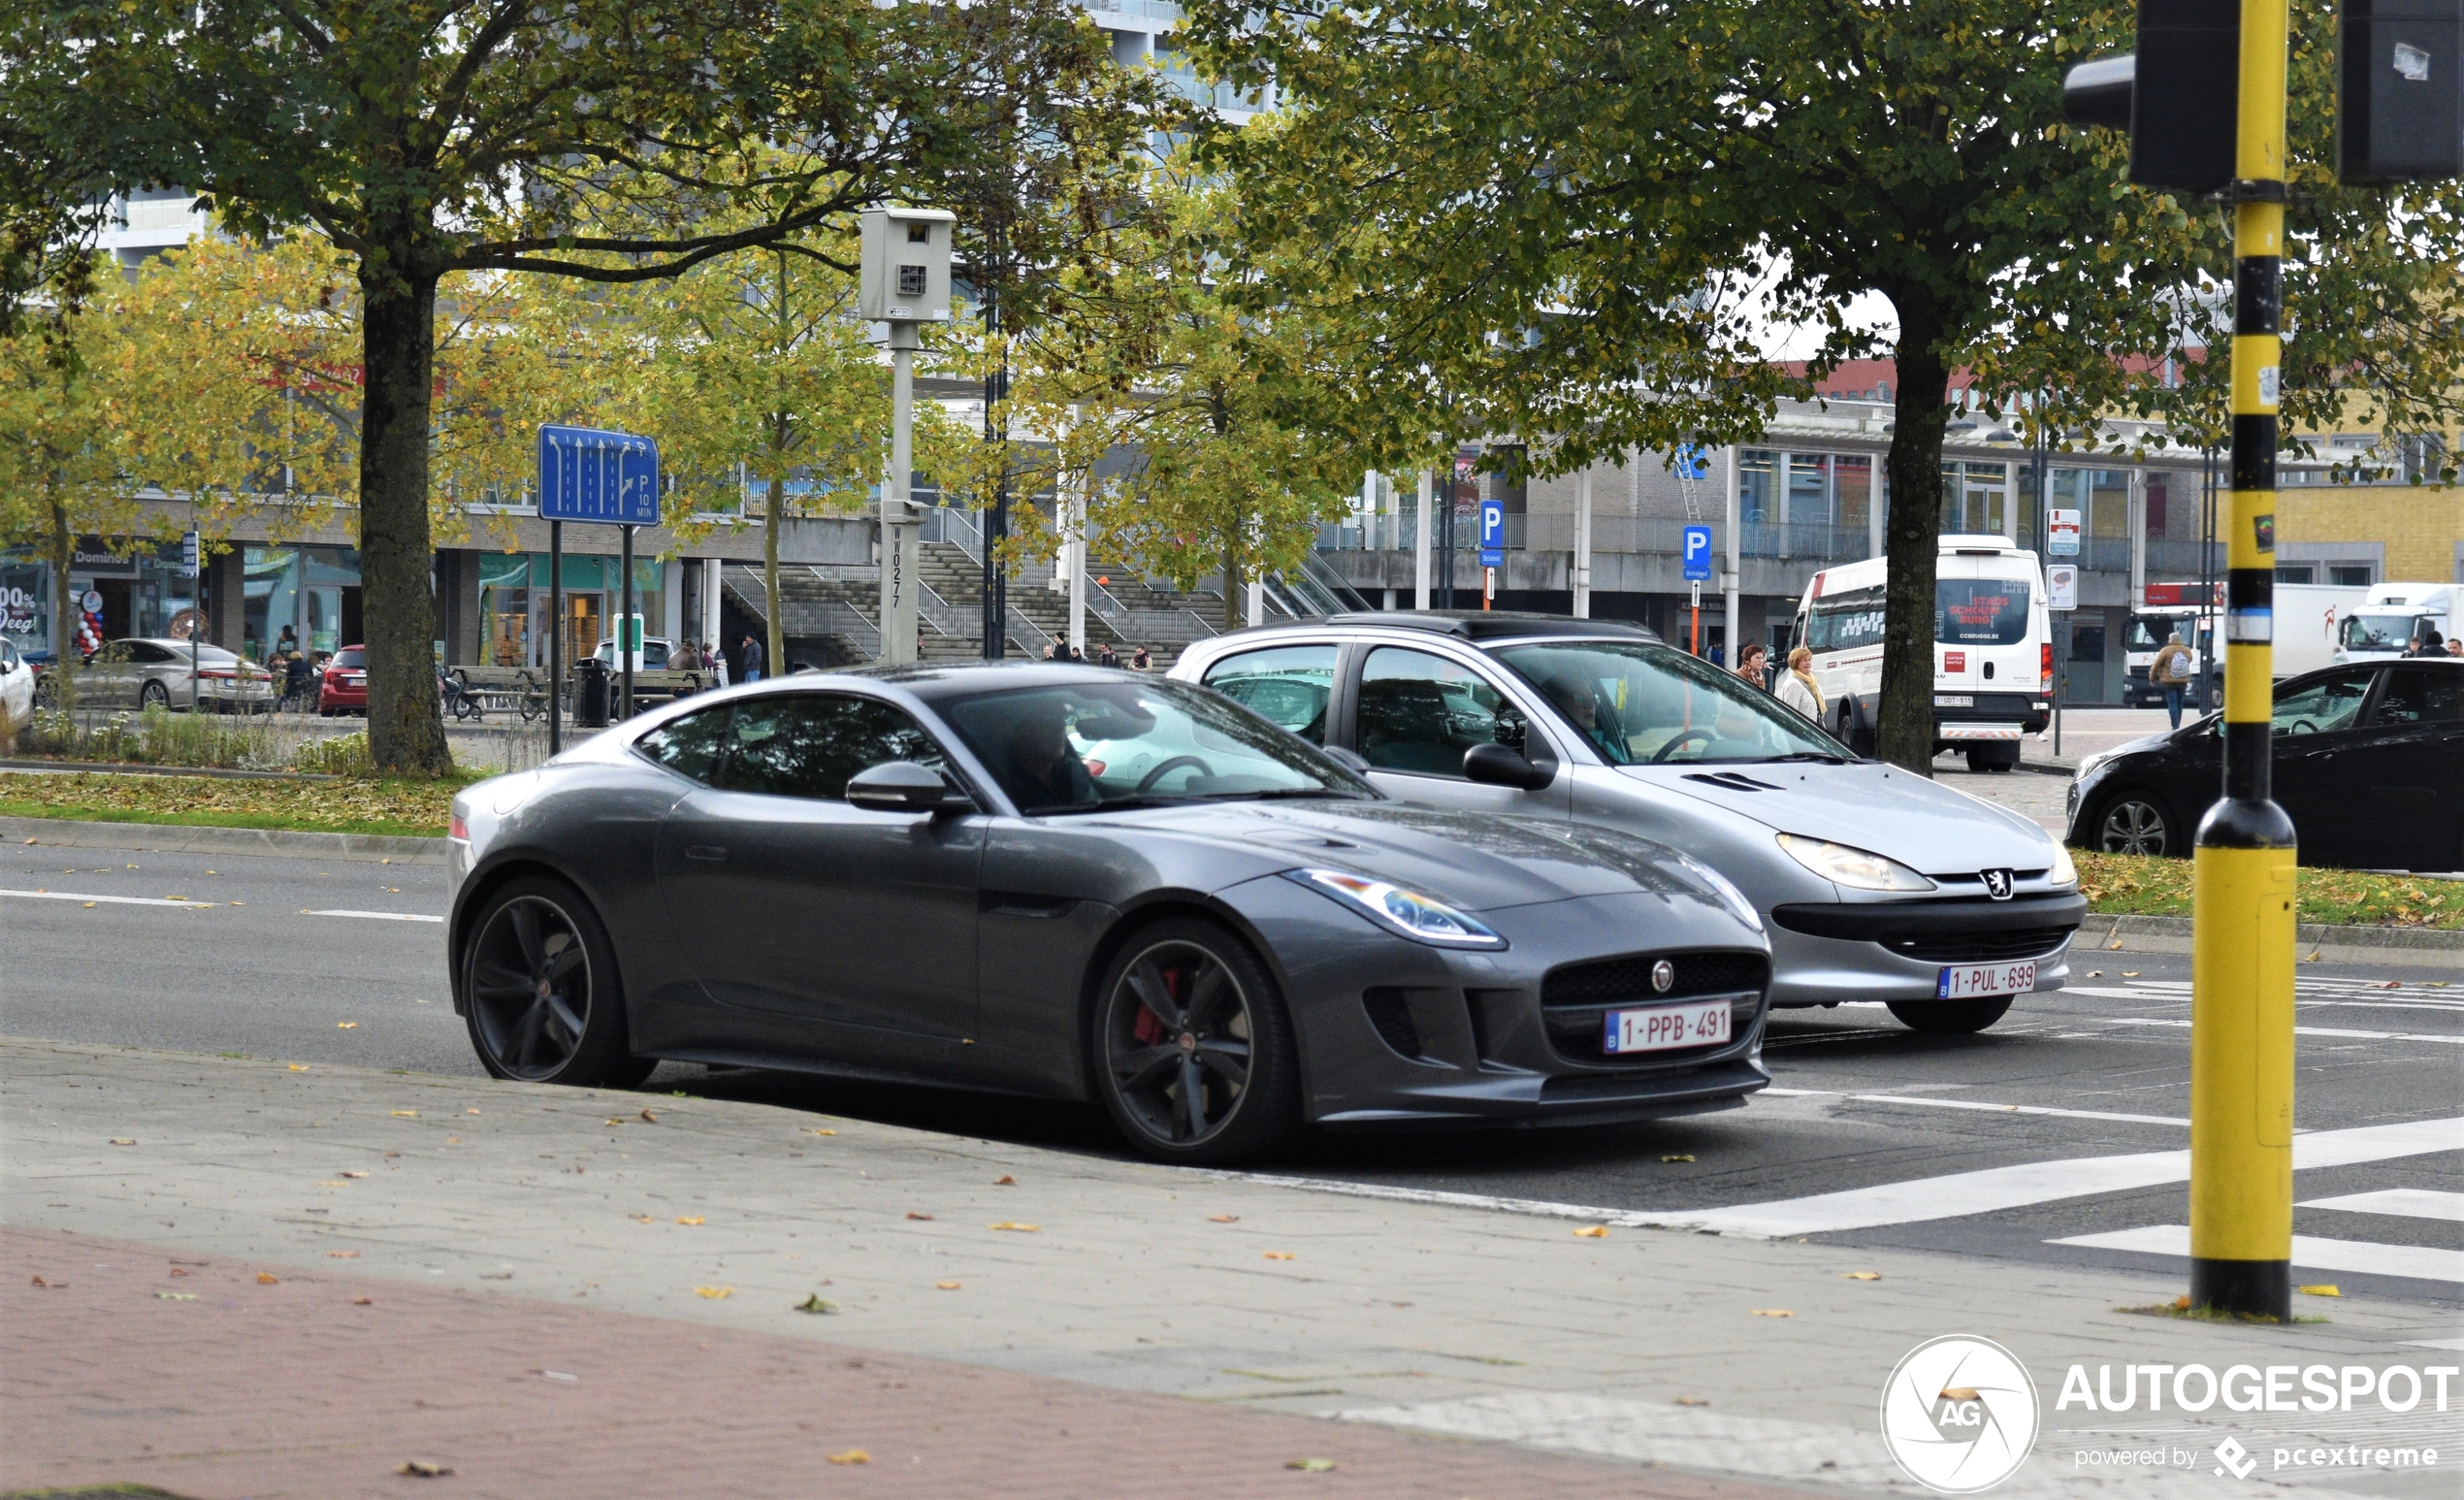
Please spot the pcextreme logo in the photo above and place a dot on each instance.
(1958, 1413)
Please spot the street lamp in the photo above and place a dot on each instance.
(903, 285)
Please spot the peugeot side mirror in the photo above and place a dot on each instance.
(1499, 766)
(903, 786)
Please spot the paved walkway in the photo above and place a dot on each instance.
(1062, 1325)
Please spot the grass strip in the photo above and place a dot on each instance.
(2126, 885)
(402, 805)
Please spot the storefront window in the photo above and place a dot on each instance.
(1758, 487)
(1975, 498)
(513, 604)
(25, 604)
(1852, 482)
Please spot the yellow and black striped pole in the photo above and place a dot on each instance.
(2243, 870)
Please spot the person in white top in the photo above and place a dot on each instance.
(1796, 687)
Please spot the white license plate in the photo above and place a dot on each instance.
(1662, 1027)
(1958, 984)
(1954, 699)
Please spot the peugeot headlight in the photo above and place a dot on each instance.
(1728, 889)
(1421, 917)
(2063, 873)
(1860, 869)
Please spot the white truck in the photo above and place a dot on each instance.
(2310, 618)
(2393, 617)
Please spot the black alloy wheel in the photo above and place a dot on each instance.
(1192, 1053)
(540, 979)
(1951, 1018)
(2134, 823)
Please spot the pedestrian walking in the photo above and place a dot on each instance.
(1139, 661)
(1750, 663)
(2455, 645)
(1051, 650)
(1798, 690)
(1107, 656)
(288, 643)
(2431, 643)
(749, 655)
(2171, 671)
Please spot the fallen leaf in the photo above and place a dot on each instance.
(2095, 973)
(1772, 1312)
(470, 1112)
(178, 1270)
(1312, 1465)
(342, 1254)
(405, 1114)
(1598, 1231)
(811, 1132)
(50, 1285)
(176, 1297)
(714, 1294)
(453, 1140)
(1960, 1394)
(2130, 973)
(354, 1174)
(1280, 1255)
(912, 1214)
(1005, 1180)
(1692, 1401)
(817, 1303)
(89, 904)
(612, 1120)
(122, 1140)
(1023, 1228)
(346, 1026)
(2181, 1304)
(421, 1468)
(647, 1115)
(695, 1219)
(298, 1067)
(1863, 1276)
(1676, 1159)
(851, 1456)
(1224, 1219)
(268, 1279)
(2112, 946)
(945, 1286)
(2386, 984)
(2314, 956)
(331, 1185)
(643, 1219)
(362, 1301)
(2324, 1290)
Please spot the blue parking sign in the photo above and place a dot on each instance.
(1492, 533)
(587, 474)
(1697, 552)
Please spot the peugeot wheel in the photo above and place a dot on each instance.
(2134, 823)
(545, 1004)
(1951, 1018)
(1192, 1053)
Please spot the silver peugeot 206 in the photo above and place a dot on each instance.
(1876, 884)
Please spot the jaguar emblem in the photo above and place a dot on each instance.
(1663, 974)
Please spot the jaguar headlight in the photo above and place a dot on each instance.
(1424, 919)
(1729, 893)
(1860, 870)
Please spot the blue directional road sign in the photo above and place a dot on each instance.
(1492, 533)
(586, 474)
(1697, 552)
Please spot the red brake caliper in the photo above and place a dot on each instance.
(1150, 1028)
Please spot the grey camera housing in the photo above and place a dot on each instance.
(905, 259)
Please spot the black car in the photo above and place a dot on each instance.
(2369, 763)
(1084, 884)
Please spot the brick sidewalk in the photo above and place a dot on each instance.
(323, 1386)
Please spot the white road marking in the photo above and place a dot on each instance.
(108, 900)
(2406, 1202)
(2366, 1036)
(2423, 1262)
(2434, 1342)
(379, 916)
(1983, 1106)
(1994, 1188)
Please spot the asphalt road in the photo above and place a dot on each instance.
(2061, 1122)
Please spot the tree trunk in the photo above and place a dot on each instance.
(63, 608)
(405, 721)
(1232, 620)
(774, 661)
(1904, 728)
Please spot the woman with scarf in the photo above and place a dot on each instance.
(1797, 690)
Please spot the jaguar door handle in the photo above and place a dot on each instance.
(711, 852)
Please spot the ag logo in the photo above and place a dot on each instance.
(1958, 1413)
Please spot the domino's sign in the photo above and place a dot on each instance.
(589, 475)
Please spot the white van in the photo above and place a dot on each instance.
(1992, 653)
(2395, 615)
(2310, 619)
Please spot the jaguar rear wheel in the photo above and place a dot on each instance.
(1193, 1053)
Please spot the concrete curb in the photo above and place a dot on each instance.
(357, 848)
(2420, 947)
(130, 768)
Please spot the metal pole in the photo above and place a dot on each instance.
(898, 517)
(1727, 584)
(1420, 525)
(555, 635)
(625, 625)
(996, 516)
(1582, 546)
(2242, 879)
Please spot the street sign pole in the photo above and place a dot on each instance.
(2242, 879)
(555, 636)
(1697, 558)
(899, 547)
(607, 478)
(625, 624)
(902, 283)
(191, 556)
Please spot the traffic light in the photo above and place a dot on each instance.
(2399, 92)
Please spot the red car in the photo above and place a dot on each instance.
(345, 686)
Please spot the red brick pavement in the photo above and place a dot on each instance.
(298, 1388)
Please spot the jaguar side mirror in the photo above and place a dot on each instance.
(1499, 766)
(903, 786)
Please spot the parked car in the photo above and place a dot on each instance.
(17, 693)
(2368, 761)
(655, 650)
(158, 672)
(343, 688)
(916, 874)
(1876, 884)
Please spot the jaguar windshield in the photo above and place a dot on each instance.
(1106, 744)
(1637, 702)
